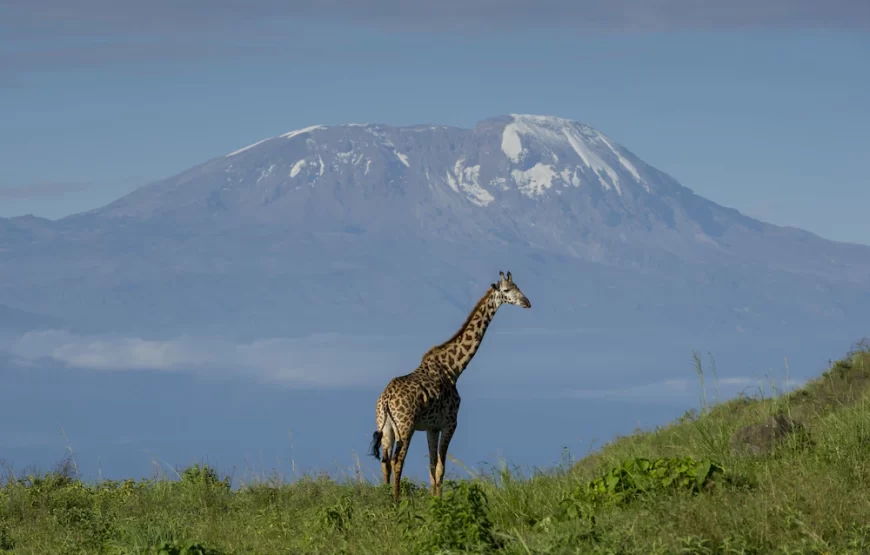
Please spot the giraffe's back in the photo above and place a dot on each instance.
(420, 401)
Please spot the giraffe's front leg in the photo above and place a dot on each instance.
(432, 436)
(446, 436)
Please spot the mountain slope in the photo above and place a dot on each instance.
(380, 228)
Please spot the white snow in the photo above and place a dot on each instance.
(265, 173)
(467, 179)
(534, 181)
(569, 176)
(368, 167)
(452, 182)
(511, 144)
(556, 134)
(241, 150)
(292, 134)
(592, 160)
(297, 167)
(321, 165)
(499, 182)
(625, 163)
(403, 158)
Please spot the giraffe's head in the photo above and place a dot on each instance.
(506, 291)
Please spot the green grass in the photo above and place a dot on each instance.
(677, 489)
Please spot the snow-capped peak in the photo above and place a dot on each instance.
(554, 136)
(288, 135)
(543, 155)
(241, 150)
(291, 134)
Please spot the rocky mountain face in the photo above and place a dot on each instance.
(378, 229)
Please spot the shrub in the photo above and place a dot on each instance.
(204, 476)
(458, 521)
(337, 517)
(175, 548)
(639, 476)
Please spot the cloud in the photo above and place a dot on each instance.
(41, 35)
(333, 361)
(50, 189)
(318, 361)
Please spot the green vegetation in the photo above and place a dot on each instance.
(782, 474)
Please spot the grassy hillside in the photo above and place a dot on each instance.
(684, 488)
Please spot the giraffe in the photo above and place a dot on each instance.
(427, 398)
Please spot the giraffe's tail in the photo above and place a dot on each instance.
(375, 449)
(384, 419)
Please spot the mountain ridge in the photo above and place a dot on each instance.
(231, 241)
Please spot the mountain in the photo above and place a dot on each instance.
(379, 229)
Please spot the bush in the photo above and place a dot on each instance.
(175, 548)
(204, 476)
(458, 521)
(639, 476)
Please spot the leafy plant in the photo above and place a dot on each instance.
(174, 548)
(6, 541)
(204, 476)
(407, 488)
(639, 476)
(457, 521)
(337, 517)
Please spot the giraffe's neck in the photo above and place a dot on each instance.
(454, 355)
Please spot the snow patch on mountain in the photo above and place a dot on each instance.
(241, 150)
(511, 144)
(552, 136)
(467, 180)
(569, 176)
(533, 182)
(402, 158)
(291, 134)
(297, 167)
(593, 161)
(266, 173)
(625, 163)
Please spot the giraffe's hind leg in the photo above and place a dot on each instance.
(388, 440)
(432, 436)
(402, 444)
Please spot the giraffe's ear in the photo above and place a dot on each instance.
(494, 286)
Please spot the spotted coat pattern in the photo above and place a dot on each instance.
(427, 398)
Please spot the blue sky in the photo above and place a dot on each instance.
(764, 110)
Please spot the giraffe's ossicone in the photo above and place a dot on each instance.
(427, 399)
